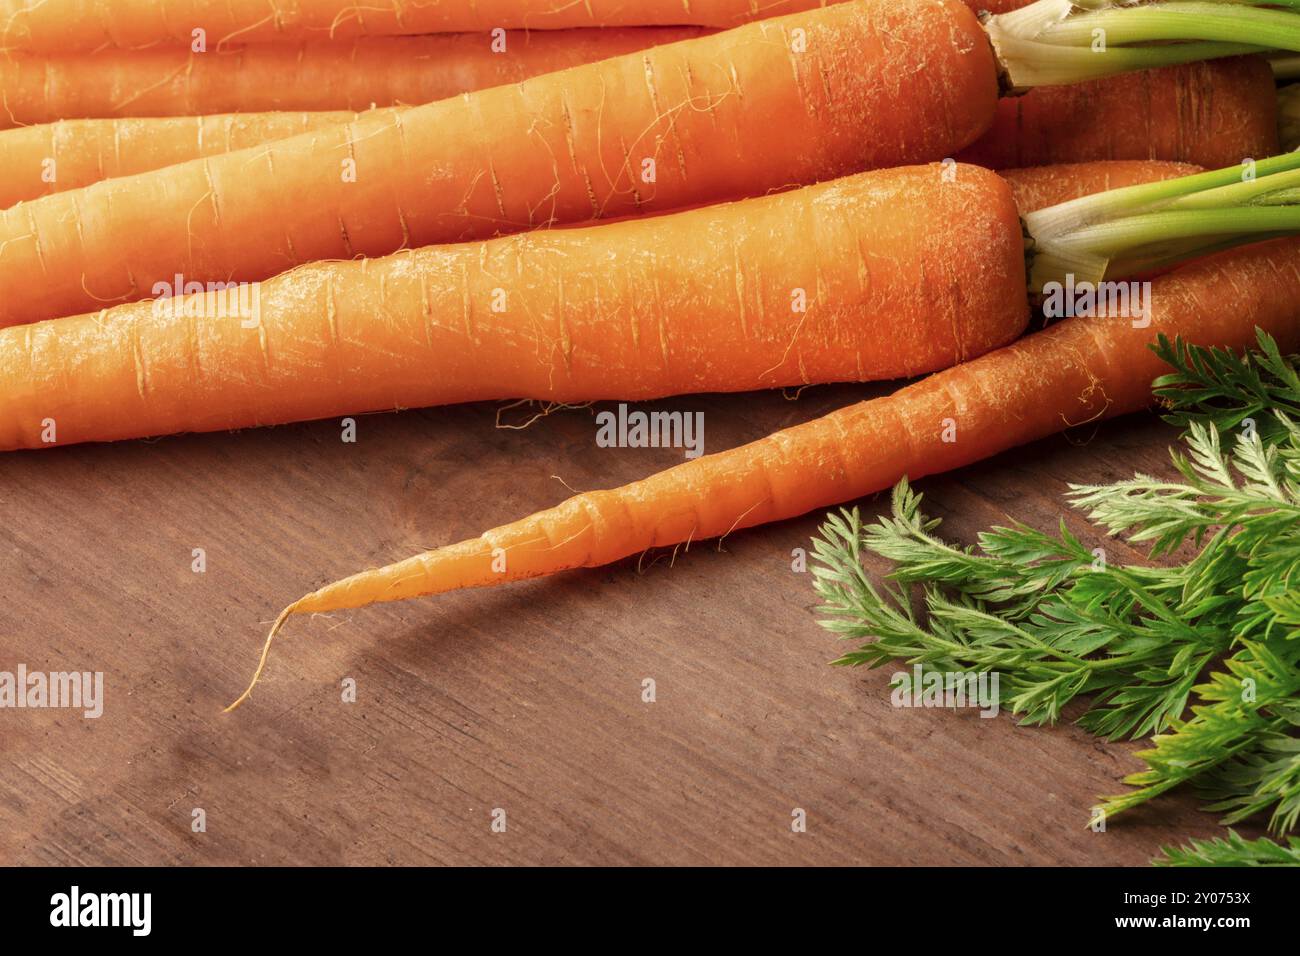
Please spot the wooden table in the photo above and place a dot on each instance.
(526, 698)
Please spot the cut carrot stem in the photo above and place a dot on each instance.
(1211, 114)
(53, 26)
(352, 75)
(860, 85)
(1157, 225)
(1160, 22)
(809, 285)
(1054, 42)
(1078, 371)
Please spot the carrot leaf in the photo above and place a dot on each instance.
(1235, 850)
(1221, 387)
(1197, 647)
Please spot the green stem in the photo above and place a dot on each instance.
(1139, 232)
(1124, 26)
(1055, 42)
(1141, 228)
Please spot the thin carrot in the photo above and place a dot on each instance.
(680, 124)
(54, 157)
(810, 285)
(1211, 114)
(1078, 371)
(352, 75)
(58, 25)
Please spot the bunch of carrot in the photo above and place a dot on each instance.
(386, 190)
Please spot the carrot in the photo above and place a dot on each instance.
(86, 151)
(673, 126)
(812, 285)
(1211, 114)
(858, 85)
(131, 371)
(53, 157)
(56, 25)
(1077, 371)
(1037, 187)
(354, 75)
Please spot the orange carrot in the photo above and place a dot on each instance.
(1037, 187)
(54, 157)
(354, 75)
(764, 106)
(1077, 371)
(875, 276)
(1212, 114)
(349, 326)
(86, 151)
(58, 25)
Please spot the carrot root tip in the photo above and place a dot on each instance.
(261, 663)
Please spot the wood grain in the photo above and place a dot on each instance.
(526, 698)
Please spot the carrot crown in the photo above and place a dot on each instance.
(1057, 42)
(1124, 232)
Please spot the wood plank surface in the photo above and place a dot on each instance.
(526, 698)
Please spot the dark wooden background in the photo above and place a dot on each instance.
(527, 697)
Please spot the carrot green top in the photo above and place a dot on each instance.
(1056, 42)
(1152, 226)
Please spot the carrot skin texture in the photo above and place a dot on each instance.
(1037, 187)
(567, 147)
(352, 75)
(118, 355)
(55, 25)
(84, 152)
(88, 151)
(1212, 114)
(1077, 371)
(902, 271)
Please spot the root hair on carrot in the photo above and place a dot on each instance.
(118, 106)
(261, 663)
(270, 18)
(739, 519)
(566, 484)
(124, 297)
(798, 392)
(547, 408)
